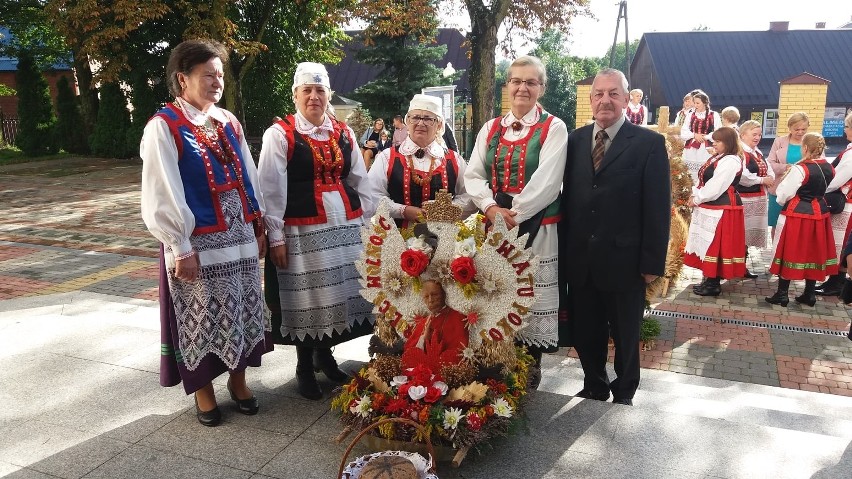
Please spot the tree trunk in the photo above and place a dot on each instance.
(88, 95)
(232, 97)
(485, 23)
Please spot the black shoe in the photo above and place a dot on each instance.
(211, 418)
(778, 298)
(586, 394)
(831, 287)
(249, 406)
(534, 377)
(624, 401)
(749, 275)
(696, 287)
(708, 289)
(325, 362)
(805, 298)
(308, 386)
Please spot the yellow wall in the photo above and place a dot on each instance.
(807, 98)
(505, 101)
(584, 108)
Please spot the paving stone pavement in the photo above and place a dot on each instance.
(74, 224)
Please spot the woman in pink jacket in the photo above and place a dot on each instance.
(785, 151)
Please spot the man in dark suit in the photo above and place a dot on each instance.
(616, 205)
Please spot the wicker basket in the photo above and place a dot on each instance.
(352, 469)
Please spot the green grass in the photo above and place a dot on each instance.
(9, 155)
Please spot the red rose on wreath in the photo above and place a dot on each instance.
(463, 269)
(413, 262)
(432, 395)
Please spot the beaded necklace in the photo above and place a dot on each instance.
(330, 160)
(421, 180)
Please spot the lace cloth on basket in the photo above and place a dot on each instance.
(421, 464)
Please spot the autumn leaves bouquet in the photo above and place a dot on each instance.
(455, 408)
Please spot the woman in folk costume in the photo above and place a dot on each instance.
(315, 184)
(420, 166)
(684, 112)
(696, 131)
(804, 244)
(756, 177)
(636, 112)
(516, 171)
(840, 222)
(716, 243)
(200, 199)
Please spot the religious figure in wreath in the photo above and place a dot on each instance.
(439, 337)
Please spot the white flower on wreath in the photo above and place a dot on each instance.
(420, 243)
(442, 386)
(502, 408)
(394, 284)
(466, 247)
(469, 354)
(398, 381)
(417, 393)
(362, 406)
(444, 273)
(452, 417)
(489, 284)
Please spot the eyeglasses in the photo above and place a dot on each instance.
(426, 120)
(528, 83)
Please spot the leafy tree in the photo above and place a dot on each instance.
(560, 96)
(144, 106)
(406, 67)
(37, 134)
(265, 79)
(110, 136)
(31, 30)
(71, 137)
(519, 18)
(360, 120)
(619, 59)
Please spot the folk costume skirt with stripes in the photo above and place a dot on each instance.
(804, 248)
(755, 209)
(716, 243)
(316, 300)
(217, 322)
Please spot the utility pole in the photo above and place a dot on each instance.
(622, 13)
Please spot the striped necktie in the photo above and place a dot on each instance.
(599, 150)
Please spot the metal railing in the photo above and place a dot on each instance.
(9, 126)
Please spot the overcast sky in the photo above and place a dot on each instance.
(593, 37)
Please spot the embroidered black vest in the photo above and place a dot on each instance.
(809, 200)
(399, 179)
(308, 178)
(754, 163)
(728, 198)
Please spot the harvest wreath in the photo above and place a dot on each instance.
(449, 298)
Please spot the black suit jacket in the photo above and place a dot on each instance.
(615, 223)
